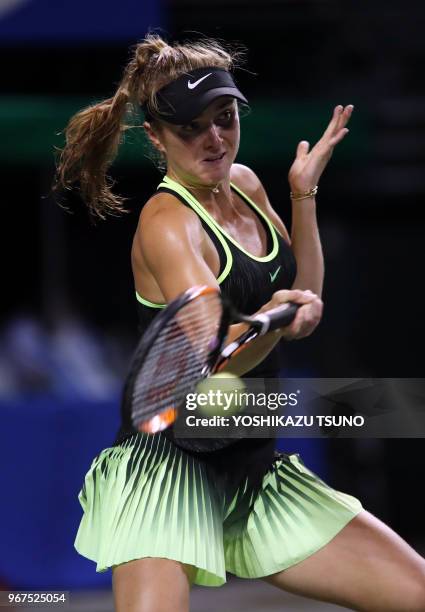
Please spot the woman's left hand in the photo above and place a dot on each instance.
(307, 318)
(308, 166)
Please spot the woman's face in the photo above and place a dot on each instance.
(203, 151)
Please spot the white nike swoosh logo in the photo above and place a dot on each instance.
(193, 85)
(273, 276)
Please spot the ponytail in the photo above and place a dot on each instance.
(93, 135)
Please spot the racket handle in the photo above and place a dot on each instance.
(281, 316)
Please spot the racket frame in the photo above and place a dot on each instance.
(218, 357)
(157, 421)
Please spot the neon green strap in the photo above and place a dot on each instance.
(275, 247)
(169, 183)
(200, 210)
(148, 303)
(194, 204)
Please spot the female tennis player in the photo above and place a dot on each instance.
(164, 518)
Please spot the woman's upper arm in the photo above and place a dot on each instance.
(171, 240)
(248, 181)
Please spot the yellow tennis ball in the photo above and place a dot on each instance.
(221, 394)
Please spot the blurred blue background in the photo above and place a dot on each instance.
(68, 311)
(65, 22)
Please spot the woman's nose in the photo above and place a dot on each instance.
(214, 135)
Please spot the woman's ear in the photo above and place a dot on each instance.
(153, 137)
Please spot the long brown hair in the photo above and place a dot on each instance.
(94, 134)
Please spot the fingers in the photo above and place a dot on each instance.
(343, 118)
(345, 115)
(293, 295)
(330, 130)
(309, 165)
(303, 148)
(308, 315)
(340, 118)
(335, 131)
(307, 319)
(338, 137)
(340, 130)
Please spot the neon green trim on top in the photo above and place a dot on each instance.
(193, 203)
(167, 182)
(148, 303)
(200, 210)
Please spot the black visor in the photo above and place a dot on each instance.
(188, 96)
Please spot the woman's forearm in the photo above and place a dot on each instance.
(306, 246)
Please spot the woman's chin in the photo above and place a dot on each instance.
(212, 176)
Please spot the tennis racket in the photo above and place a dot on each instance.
(184, 344)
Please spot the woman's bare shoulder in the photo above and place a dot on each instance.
(164, 220)
(246, 179)
(162, 205)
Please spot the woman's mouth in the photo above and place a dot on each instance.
(215, 158)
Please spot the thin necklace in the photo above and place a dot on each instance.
(215, 189)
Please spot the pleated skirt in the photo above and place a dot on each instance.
(148, 498)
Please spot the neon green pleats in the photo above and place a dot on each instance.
(147, 498)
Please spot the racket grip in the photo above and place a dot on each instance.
(281, 316)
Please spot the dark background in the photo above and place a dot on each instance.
(303, 57)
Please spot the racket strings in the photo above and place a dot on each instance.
(178, 357)
(170, 368)
(175, 338)
(177, 334)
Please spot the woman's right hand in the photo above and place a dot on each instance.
(308, 315)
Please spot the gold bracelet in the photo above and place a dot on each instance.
(303, 196)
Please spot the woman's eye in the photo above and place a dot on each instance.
(226, 117)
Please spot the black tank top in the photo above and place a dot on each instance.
(249, 282)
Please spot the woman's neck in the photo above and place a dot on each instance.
(210, 196)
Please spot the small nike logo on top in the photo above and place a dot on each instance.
(273, 276)
(193, 85)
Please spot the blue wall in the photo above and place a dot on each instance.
(47, 446)
(77, 20)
